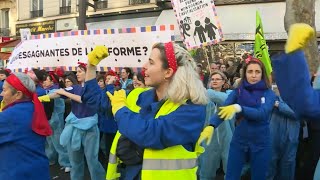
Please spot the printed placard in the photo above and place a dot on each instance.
(198, 22)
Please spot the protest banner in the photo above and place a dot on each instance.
(198, 22)
(128, 47)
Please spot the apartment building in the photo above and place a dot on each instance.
(47, 16)
(237, 18)
(8, 16)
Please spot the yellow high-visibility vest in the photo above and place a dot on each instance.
(132, 98)
(174, 162)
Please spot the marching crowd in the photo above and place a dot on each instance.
(169, 121)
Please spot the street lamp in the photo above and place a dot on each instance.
(164, 4)
(83, 12)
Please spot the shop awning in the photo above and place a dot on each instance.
(123, 23)
(4, 56)
(8, 46)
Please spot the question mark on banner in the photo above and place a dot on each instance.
(145, 50)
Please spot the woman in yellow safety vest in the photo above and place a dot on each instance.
(160, 136)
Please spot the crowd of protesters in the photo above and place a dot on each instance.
(169, 121)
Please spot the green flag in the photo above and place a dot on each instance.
(260, 46)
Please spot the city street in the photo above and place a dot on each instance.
(58, 174)
(148, 82)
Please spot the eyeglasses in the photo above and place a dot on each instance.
(216, 79)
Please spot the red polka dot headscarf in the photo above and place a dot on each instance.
(172, 61)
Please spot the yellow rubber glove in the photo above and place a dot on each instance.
(206, 134)
(98, 53)
(227, 112)
(298, 36)
(118, 100)
(2, 105)
(44, 98)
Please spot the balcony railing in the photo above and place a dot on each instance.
(4, 31)
(102, 4)
(65, 10)
(38, 13)
(136, 2)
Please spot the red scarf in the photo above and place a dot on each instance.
(40, 124)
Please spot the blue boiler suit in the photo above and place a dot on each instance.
(183, 126)
(251, 138)
(293, 80)
(284, 130)
(219, 147)
(22, 151)
(56, 121)
(107, 124)
(81, 135)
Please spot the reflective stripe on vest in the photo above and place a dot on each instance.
(169, 164)
(112, 171)
(112, 158)
(174, 162)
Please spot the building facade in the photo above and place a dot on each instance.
(238, 23)
(47, 16)
(8, 17)
(237, 19)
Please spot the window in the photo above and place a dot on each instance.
(4, 22)
(5, 18)
(102, 4)
(65, 6)
(36, 8)
(135, 2)
(65, 3)
(77, 7)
